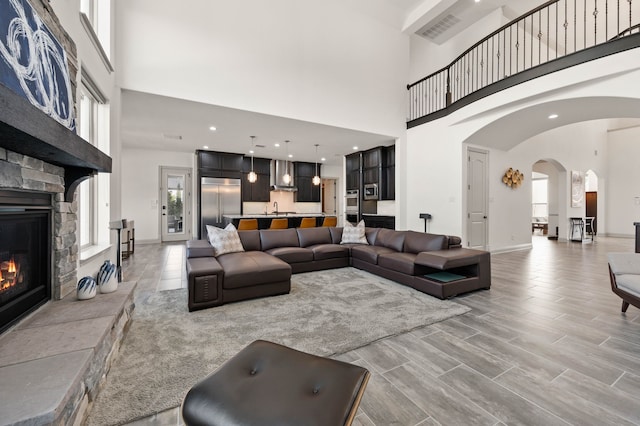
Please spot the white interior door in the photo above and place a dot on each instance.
(175, 193)
(477, 194)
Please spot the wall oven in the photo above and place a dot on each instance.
(352, 201)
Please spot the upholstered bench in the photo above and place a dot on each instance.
(267, 384)
(624, 272)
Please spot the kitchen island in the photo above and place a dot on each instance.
(264, 220)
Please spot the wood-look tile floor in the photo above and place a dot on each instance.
(547, 345)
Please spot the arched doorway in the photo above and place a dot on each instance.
(550, 174)
(591, 202)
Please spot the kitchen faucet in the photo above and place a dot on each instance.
(275, 205)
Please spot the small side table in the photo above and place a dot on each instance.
(577, 224)
(118, 226)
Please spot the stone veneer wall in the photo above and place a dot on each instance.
(20, 172)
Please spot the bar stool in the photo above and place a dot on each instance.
(247, 224)
(281, 223)
(330, 221)
(308, 222)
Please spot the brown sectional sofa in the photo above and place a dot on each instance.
(271, 256)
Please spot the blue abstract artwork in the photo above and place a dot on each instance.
(33, 63)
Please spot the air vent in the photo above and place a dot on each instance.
(259, 146)
(431, 31)
(172, 137)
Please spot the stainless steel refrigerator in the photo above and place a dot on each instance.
(218, 197)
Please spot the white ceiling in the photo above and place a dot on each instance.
(170, 124)
(163, 123)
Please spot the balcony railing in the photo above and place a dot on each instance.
(555, 30)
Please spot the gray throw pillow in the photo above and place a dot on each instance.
(224, 240)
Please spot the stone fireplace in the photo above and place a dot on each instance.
(38, 250)
(42, 158)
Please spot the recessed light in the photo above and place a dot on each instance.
(205, 147)
(552, 116)
(251, 152)
(290, 155)
(355, 148)
(277, 145)
(323, 159)
(477, 1)
(212, 128)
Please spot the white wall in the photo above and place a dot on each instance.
(623, 183)
(322, 62)
(435, 158)
(428, 57)
(141, 188)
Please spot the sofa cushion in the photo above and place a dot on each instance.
(369, 254)
(250, 239)
(354, 234)
(399, 262)
(415, 242)
(329, 251)
(390, 239)
(252, 268)
(292, 254)
(336, 234)
(273, 238)
(624, 263)
(224, 240)
(629, 283)
(371, 234)
(312, 236)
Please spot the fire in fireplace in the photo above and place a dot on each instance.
(25, 255)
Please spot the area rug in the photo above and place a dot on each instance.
(168, 349)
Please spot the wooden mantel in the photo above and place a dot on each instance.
(27, 130)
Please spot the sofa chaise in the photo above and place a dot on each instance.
(431, 263)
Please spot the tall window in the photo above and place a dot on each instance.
(98, 18)
(88, 127)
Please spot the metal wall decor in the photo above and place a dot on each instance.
(512, 178)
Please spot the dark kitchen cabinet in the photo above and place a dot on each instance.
(376, 221)
(372, 158)
(260, 190)
(388, 173)
(372, 166)
(303, 174)
(219, 164)
(353, 170)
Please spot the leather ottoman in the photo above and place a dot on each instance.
(268, 384)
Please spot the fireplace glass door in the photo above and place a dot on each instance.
(24, 263)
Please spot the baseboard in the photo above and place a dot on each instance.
(508, 249)
(143, 242)
(619, 235)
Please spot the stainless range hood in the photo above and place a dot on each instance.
(278, 170)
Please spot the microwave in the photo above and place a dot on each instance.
(370, 191)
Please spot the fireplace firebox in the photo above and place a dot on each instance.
(25, 254)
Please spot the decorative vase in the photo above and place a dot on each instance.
(107, 280)
(86, 288)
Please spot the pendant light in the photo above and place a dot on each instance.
(252, 175)
(316, 178)
(287, 177)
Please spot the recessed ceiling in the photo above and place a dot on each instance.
(169, 124)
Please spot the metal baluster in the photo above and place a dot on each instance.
(548, 19)
(595, 22)
(584, 41)
(606, 20)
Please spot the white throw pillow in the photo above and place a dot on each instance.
(224, 240)
(354, 234)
